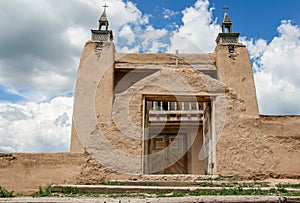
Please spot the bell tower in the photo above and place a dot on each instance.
(97, 62)
(227, 36)
(226, 24)
(103, 35)
(234, 65)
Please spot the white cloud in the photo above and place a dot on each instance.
(277, 67)
(139, 39)
(198, 32)
(77, 36)
(123, 13)
(196, 35)
(36, 127)
(127, 33)
(167, 13)
(45, 47)
(153, 39)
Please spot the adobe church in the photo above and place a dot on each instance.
(136, 115)
(177, 113)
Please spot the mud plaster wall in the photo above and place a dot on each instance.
(24, 173)
(241, 148)
(258, 147)
(235, 71)
(282, 135)
(76, 145)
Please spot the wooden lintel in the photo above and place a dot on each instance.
(145, 67)
(178, 98)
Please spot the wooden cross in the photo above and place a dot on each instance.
(177, 58)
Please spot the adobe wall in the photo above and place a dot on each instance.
(241, 148)
(96, 71)
(282, 135)
(76, 145)
(263, 147)
(25, 172)
(235, 70)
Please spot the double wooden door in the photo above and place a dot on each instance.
(167, 154)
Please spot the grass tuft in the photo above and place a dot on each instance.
(5, 194)
(43, 192)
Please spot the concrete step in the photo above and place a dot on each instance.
(203, 183)
(103, 189)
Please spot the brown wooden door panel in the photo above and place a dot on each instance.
(167, 154)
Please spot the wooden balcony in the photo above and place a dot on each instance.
(162, 112)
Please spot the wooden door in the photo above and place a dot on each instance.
(167, 154)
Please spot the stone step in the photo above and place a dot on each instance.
(103, 189)
(203, 183)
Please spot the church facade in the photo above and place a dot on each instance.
(136, 115)
(178, 113)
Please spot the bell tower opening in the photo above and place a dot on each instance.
(226, 24)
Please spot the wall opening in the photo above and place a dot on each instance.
(177, 135)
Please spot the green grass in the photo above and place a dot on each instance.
(245, 185)
(128, 195)
(296, 186)
(43, 192)
(76, 192)
(5, 194)
(178, 194)
(238, 192)
(221, 178)
(226, 190)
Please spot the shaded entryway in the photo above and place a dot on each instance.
(177, 135)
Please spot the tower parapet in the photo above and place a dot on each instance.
(103, 35)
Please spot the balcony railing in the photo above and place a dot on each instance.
(175, 111)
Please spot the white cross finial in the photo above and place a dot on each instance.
(177, 58)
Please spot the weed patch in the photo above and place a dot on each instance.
(5, 194)
(296, 186)
(43, 192)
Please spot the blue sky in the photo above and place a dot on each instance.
(254, 19)
(41, 42)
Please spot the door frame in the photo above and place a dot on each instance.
(209, 98)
